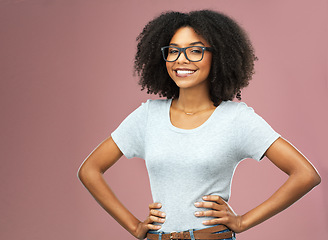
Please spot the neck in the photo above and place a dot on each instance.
(194, 99)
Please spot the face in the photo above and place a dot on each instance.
(184, 73)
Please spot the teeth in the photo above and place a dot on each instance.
(185, 72)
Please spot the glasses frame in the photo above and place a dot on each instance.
(184, 51)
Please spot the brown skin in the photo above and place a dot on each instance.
(194, 97)
(302, 178)
(91, 175)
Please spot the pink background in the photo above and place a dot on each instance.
(66, 84)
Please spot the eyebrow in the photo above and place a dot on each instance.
(192, 44)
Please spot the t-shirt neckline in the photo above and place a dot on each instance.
(181, 130)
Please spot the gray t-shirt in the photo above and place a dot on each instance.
(186, 164)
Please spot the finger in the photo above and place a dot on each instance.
(213, 221)
(155, 205)
(151, 219)
(156, 219)
(157, 213)
(212, 205)
(153, 227)
(210, 213)
(214, 198)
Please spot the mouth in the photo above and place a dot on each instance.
(184, 72)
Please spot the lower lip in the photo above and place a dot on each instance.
(184, 74)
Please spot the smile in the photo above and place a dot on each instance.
(184, 73)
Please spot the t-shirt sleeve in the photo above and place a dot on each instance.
(129, 136)
(255, 135)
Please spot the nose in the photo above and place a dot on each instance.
(182, 58)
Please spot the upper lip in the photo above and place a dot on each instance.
(185, 69)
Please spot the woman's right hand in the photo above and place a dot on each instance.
(155, 216)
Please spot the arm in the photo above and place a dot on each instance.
(90, 174)
(302, 178)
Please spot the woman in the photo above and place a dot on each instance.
(193, 140)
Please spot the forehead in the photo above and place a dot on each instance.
(186, 36)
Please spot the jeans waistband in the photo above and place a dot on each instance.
(170, 235)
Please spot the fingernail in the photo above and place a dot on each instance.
(205, 222)
(162, 220)
(197, 213)
(159, 205)
(163, 214)
(197, 204)
(205, 197)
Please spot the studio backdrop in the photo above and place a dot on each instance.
(66, 75)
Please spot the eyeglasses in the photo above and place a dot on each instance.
(192, 53)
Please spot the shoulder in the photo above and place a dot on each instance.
(157, 101)
(151, 107)
(236, 107)
(156, 104)
(239, 112)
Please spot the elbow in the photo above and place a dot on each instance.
(87, 172)
(316, 179)
(82, 172)
(313, 178)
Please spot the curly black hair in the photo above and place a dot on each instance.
(232, 56)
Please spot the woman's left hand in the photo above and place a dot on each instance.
(222, 212)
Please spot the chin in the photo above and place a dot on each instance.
(183, 83)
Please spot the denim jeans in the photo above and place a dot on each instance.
(192, 235)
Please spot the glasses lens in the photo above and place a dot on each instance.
(194, 53)
(171, 54)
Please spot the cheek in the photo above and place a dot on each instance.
(169, 66)
(207, 64)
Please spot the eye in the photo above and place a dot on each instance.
(196, 50)
(173, 51)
